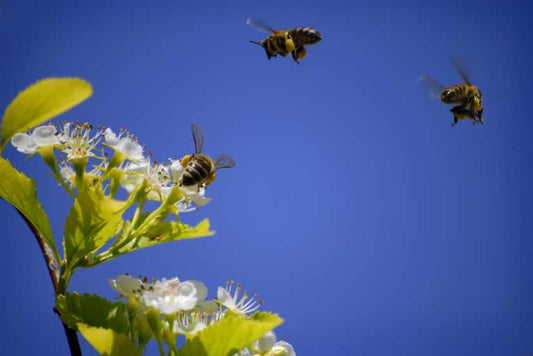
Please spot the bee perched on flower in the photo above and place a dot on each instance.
(110, 178)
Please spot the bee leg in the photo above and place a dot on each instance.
(455, 111)
(479, 115)
(295, 56)
(455, 120)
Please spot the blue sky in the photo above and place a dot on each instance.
(356, 212)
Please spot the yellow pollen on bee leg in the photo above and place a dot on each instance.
(210, 179)
(185, 160)
(289, 45)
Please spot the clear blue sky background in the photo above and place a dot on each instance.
(356, 211)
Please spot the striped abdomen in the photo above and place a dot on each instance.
(304, 36)
(456, 94)
(197, 170)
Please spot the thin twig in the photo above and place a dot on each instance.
(52, 264)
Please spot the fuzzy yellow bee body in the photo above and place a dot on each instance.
(466, 97)
(283, 42)
(199, 168)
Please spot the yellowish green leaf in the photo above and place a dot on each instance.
(92, 310)
(108, 342)
(20, 191)
(41, 102)
(168, 231)
(93, 220)
(230, 335)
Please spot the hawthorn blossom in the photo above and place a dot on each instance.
(266, 342)
(190, 323)
(42, 136)
(245, 305)
(126, 285)
(77, 140)
(171, 295)
(124, 145)
(155, 175)
(281, 348)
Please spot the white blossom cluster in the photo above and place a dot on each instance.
(187, 311)
(268, 345)
(79, 142)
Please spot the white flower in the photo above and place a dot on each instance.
(245, 305)
(281, 348)
(194, 198)
(156, 177)
(23, 143)
(171, 295)
(190, 323)
(194, 194)
(266, 342)
(126, 284)
(244, 352)
(77, 140)
(42, 136)
(124, 145)
(177, 169)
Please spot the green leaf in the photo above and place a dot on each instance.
(93, 220)
(20, 191)
(41, 102)
(108, 342)
(173, 231)
(92, 310)
(162, 232)
(230, 335)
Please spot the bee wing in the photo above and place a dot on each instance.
(432, 85)
(260, 26)
(460, 67)
(198, 137)
(224, 161)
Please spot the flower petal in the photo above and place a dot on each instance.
(45, 136)
(23, 143)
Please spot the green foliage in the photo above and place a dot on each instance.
(41, 102)
(20, 191)
(172, 231)
(92, 310)
(231, 334)
(108, 342)
(93, 220)
(96, 220)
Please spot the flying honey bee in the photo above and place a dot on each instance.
(200, 168)
(466, 96)
(283, 42)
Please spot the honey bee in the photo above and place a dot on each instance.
(198, 167)
(283, 42)
(466, 96)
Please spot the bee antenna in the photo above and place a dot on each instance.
(257, 43)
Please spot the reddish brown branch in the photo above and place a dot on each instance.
(52, 265)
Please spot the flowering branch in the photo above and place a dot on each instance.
(92, 166)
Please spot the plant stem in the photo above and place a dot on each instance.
(160, 346)
(52, 265)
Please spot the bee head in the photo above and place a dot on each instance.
(289, 43)
(447, 95)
